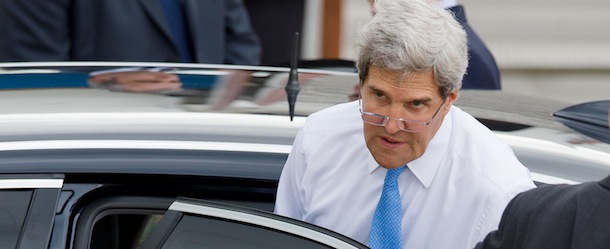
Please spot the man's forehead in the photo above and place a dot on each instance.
(400, 78)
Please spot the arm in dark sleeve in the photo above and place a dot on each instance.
(242, 43)
(34, 30)
(504, 237)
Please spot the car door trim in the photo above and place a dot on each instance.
(259, 221)
(144, 144)
(31, 183)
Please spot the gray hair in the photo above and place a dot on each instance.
(414, 36)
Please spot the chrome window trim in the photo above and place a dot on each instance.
(30, 183)
(191, 66)
(144, 117)
(144, 144)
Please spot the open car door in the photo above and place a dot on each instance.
(201, 224)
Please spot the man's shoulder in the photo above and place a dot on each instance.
(476, 145)
(466, 122)
(492, 161)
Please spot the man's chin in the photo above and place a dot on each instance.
(390, 164)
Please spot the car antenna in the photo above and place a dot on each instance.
(292, 86)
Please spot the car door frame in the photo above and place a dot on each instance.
(192, 207)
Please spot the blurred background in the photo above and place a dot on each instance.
(557, 49)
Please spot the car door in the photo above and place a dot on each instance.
(190, 223)
(27, 209)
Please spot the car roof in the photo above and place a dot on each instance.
(54, 104)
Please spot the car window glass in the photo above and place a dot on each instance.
(203, 232)
(123, 231)
(118, 227)
(148, 225)
(14, 206)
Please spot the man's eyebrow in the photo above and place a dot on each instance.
(425, 99)
(373, 88)
(422, 100)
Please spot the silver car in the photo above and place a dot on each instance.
(158, 155)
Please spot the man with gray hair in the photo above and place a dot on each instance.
(402, 167)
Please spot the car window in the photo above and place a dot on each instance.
(118, 222)
(125, 221)
(122, 231)
(203, 232)
(13, 209)
(27, 209)
(192, 223)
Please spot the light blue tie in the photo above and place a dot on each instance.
(385, 229)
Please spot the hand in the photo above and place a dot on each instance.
(136, 81)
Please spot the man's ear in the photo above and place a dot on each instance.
(453, 95)
(451, 98)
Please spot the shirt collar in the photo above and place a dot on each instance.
(425, 167)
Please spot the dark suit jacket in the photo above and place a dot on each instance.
(482, 72)
(556, 217)
(123, 30)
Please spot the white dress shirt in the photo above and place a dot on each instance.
(452, 196)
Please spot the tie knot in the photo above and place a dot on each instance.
(391, 176)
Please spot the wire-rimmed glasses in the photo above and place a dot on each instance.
(408, 125)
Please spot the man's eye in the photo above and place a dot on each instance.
(378, 94)
(417, 103)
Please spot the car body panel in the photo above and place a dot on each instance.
(116, 157)
(188, 116)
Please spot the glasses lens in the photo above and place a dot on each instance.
(403, 124)
(373, 119)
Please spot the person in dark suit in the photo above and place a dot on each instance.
(210, 31)
(482, 71)
(555, 217)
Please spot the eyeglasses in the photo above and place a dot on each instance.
(404, 124)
